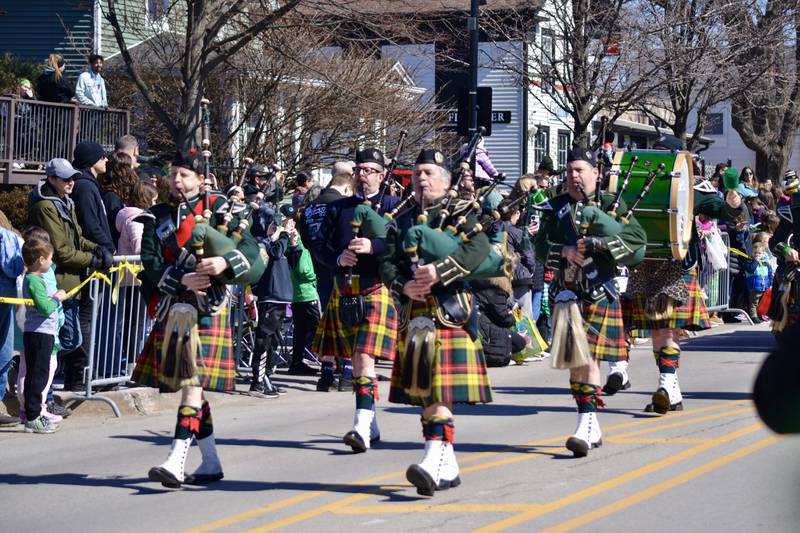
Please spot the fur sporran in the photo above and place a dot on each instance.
(419, 356)
(570, 347)
(180, 348)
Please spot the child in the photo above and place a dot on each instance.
(40, 332)
(760, 279)
(50, 409)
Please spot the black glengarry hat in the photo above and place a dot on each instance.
(431, 156)
(582, 154)
(370, 155)
(188, 160)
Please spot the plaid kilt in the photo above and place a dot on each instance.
(690, 315)
(459, 369)
(216, 365)
(375, 336)
(605, 330)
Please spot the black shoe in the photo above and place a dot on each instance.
(345, 385)
(203, 479)
(661, 403)
(614, 384)
(420, 478)
(731, 319)
(7, 421)
(164, 476)
(327, 385)
(58, 409)
(77, 388)
(355, 441)
(302, 369)
(260, 391)
(278, 390)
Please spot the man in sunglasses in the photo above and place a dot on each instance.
(360, 321)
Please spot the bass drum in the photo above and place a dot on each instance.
(666, 211)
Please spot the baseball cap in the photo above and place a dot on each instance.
(61, 168)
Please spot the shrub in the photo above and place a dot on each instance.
(14, 203)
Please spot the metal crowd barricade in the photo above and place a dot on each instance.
(118, 330)
(717, 286)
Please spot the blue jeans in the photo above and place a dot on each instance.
(7, 346)
(536, 305)
(70, 333)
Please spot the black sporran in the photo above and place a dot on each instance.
(351, 310)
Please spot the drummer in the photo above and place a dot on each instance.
(664, 297)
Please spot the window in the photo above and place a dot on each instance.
(564, 141)
(157, 9)
(541, 144)
(548, 51)
(713, 124)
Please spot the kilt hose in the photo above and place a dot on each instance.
(216, 365)
(605, 330)
(377, 333)
(458, 369)
(690, 315)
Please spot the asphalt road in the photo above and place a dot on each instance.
(712, 467)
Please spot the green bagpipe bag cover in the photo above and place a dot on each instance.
(215, 244)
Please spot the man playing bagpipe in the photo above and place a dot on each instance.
(586, 244)
(664, 297)
(360, 321)
(784, 309)
(190, 347)
(440, 360)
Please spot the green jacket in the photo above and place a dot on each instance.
(625, 242)
(304, 279)
(72, 254)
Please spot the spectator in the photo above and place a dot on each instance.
(91, 87)
(522, 279)
(90, 160)
(495, 320)
(760, 278)
(716, 177)
(53, 210)
(129, 145)
(305, 303)
(343, 167)
(484, 169)
(303, 182)
(52, 86)
(41, 330)
(116, 184)
(11, 268)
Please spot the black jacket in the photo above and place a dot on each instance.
(494, 322)
(113, 205)
(51, 90)
(91, 211)
(276, 283)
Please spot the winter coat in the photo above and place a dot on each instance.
(761, 278)
(527, 264)
(484, 169)
(304, 279)
(113, 205)
(91, 211)
(72, 253)
(276, 283)
(494, 320)
(91, 89)
(130, 236)
(51, 90)
(11, 264)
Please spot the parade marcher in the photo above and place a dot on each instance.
(190, 347)
(785, 307)
(441, 362)
(360, 322)
(586, 300)
(664, 297)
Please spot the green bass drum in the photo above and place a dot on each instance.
(666, 211)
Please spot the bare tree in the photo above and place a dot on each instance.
(767, 114)
(578, 57)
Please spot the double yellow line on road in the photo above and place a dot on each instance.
(524, 511)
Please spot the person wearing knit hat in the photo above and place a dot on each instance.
(785, 244)
(791, 183)
(443, 350)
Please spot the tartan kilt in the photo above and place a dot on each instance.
(690, 315)
(376, 335)
(605, 330)
(459, 368)
(216, 365)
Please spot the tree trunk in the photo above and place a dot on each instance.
(772, 164)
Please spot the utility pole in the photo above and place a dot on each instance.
(472, 100)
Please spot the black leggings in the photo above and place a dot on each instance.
(38, 349)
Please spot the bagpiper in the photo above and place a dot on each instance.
(360, 321)
(440, 361)
(585, 244)
(190, 347)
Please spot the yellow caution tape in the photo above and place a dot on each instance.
(125, 266)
